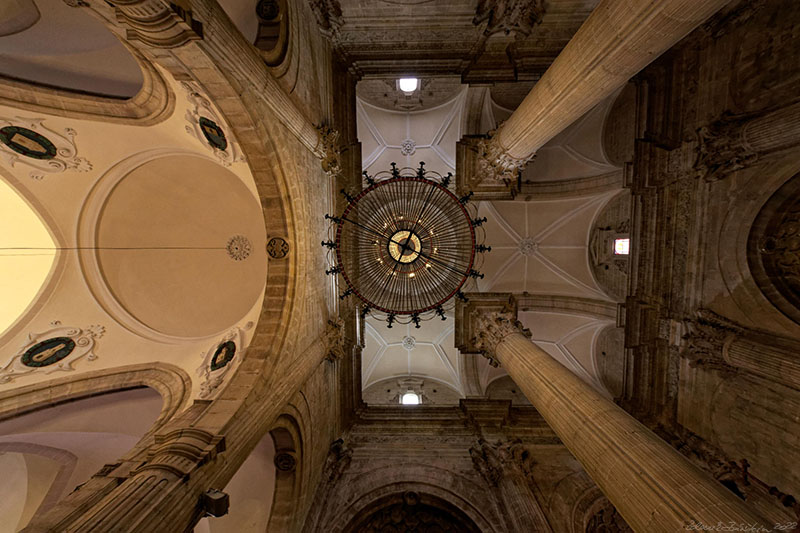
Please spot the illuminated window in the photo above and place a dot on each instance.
(410, 398)
(622, 246)
(408, 85)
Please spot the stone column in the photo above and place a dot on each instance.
(506, 467)
(652, 486)
(619, 38)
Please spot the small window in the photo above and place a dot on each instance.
(408, 85)
(622, 246)
(410, 398)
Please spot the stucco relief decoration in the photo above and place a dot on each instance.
(208, 127)
(29, 143)
(518, 16)
(328, 150)
(239, 247)
(285, 462)
(220, 360)
(408, 147)
(56, 349)
(722, 149)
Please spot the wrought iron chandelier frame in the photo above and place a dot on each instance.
(406, 245)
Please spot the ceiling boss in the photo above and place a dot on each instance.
(406, 245)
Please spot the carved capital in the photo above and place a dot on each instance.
(518, 16)
(495, 163)
(493, 328)
(334, 340)
(328, 150)
(493, 461)
(158, 24)
(722, 148)
(706, 338)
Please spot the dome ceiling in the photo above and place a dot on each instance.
(164, 237)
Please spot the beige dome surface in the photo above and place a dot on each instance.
(162, 236)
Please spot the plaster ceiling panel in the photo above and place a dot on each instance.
(542, 216)
(70, 49)
(498, 232)
(450, 136)
(545, 277)
(575, 264)
(391, 125)
(372, 345)
(571, 231)
(562, 162)
(15, 474)
(163, 234)
(393, 335)
(433, 161)
(425, 127)
(384, 161)
(511, 216)
(508, 279)
(580, 345)
(394, 362)
(496, 264)
(552, 327)
(425, 361)
(370, 141)
(448, 348)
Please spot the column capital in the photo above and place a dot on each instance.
(328, 150)
(495, 161)
(483, 320)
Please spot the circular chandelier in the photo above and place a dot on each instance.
(405, 245)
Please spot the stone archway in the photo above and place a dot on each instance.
(411, 512)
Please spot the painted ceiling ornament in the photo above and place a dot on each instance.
(53, 350)
(208, 126)
(239, 247)
(405, 245)
(221, 359)
(408, 147)
(28, 142)
(277, 248)
(528, 246)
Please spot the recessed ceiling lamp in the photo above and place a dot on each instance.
(408, 85)
(406, 245)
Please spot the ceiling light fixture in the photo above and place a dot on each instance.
(427, 245)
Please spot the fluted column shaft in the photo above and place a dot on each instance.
(619, 39)
(652, 486)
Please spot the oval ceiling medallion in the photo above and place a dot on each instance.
(213, 133)
(27, 142)
(223, 355)
(47, 352)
